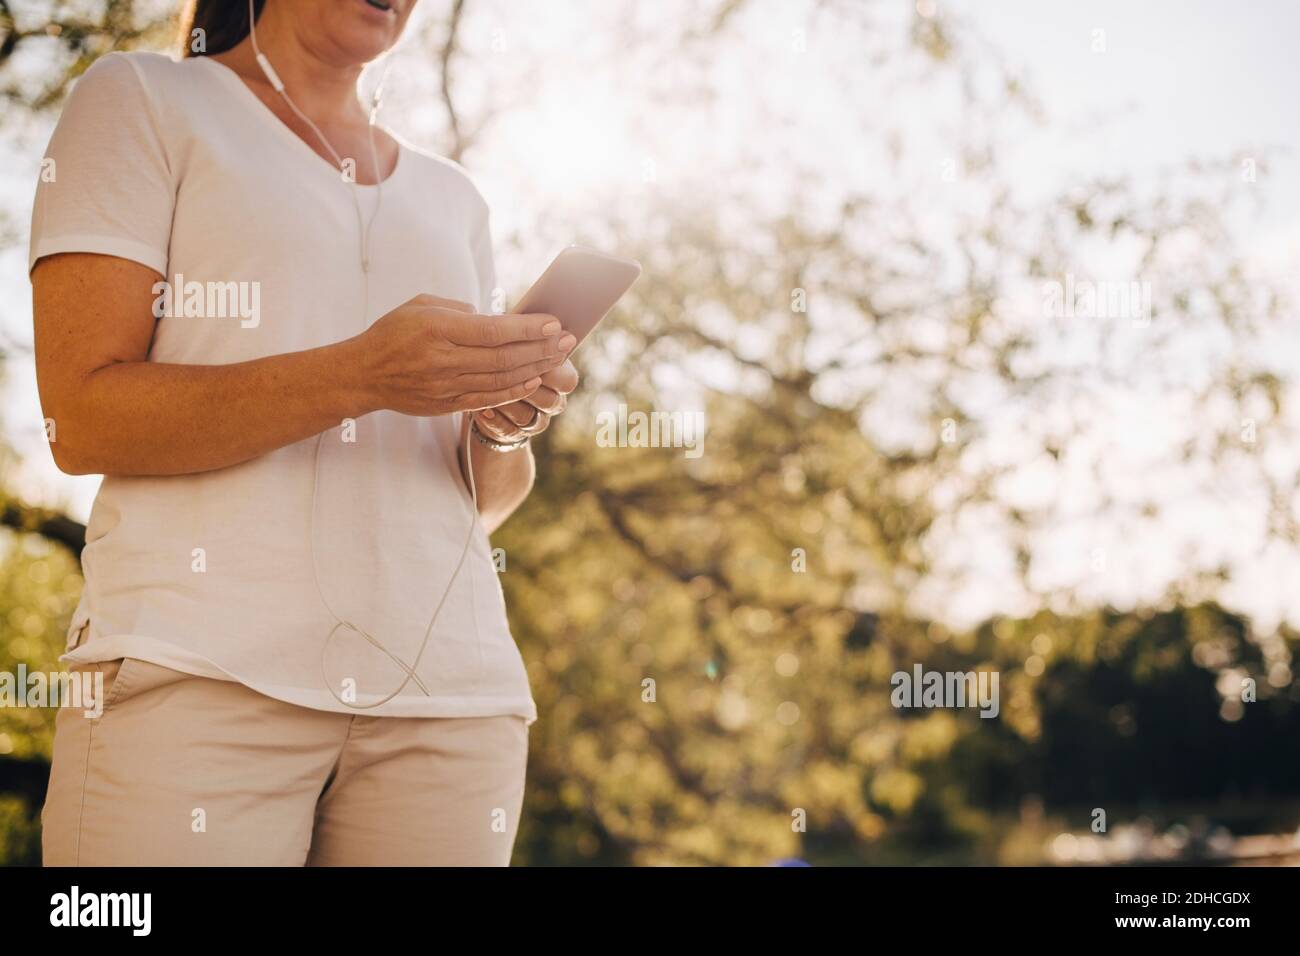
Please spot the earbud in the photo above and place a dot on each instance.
(273, 77)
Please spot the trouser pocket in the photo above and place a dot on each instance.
(99, 685)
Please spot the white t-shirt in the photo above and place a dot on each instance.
(179, 166)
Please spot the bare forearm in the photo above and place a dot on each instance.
(114, 412)
(503, 480)
(147, 418)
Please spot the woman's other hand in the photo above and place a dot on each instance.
(532, 415)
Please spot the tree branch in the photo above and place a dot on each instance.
(51, 525)
(459, 143)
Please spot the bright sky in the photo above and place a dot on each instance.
(1179, 78)
(1176, 79)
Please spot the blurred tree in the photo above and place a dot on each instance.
(45, 46)
(710, 640)
(39, 586)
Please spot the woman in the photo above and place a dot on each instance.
(258, 317)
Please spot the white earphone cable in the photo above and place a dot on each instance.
(364, 230)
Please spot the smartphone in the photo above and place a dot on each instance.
(579, 288)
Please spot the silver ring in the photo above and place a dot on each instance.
(500, 446)
(529, 428)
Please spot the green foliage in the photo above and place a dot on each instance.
(710, 641)
(20, 832)
(39, 586)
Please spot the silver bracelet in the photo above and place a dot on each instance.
(490, 442)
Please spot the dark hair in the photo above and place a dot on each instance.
(224, 24)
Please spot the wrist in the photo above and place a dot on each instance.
(355, 377)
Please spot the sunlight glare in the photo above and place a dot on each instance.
(575, 147)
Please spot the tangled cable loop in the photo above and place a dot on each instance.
(343, 624)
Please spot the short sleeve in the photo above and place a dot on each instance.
(106, 185)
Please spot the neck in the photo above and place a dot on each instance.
(322, 88)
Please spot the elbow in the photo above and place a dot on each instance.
(70, 454)
(71, 461)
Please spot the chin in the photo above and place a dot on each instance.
(364, 29)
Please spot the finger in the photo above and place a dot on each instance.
(498, 426)
(495, 381)
(441, 303)
(491, 398)
(531, 422)
(490, 331)
(563, 378)
(514, 355)
(548, 400)
(536, 427)
(527, 415)
(521, 413)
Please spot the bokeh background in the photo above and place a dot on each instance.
(847, 211)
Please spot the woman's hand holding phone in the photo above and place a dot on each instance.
(580, 286)
(431, 356)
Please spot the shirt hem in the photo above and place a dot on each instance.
(100, 245)
(165, 654)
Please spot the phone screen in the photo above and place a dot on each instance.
(579, 288)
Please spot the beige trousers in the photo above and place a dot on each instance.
(182, 770)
